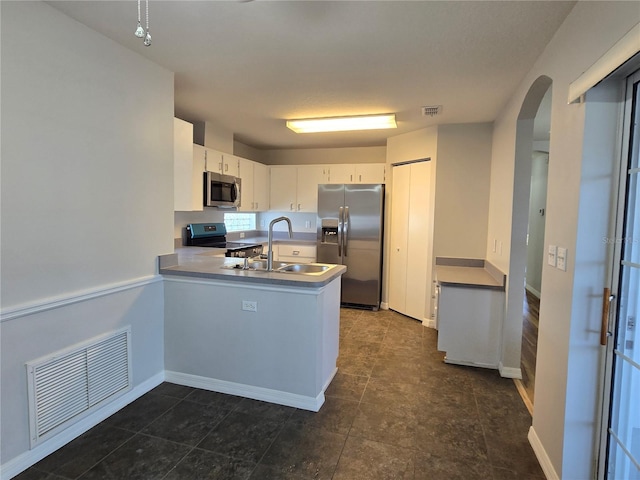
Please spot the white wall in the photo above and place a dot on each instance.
(563, 427)
(87, 182)
(462, 190)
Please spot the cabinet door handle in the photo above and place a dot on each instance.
(296, 252)
(360, 178)
(256, 205)
(291, 207)
(220, 166)
(298, 207)
(226, 167)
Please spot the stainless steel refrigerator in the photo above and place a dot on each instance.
(350, 221)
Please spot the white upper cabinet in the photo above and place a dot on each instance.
(369, 173)
(309, 177)
(197, 179)
(283, 188)
(295, 188)
(182, 164)
(260, 187)
(342, 173)
(255, 186)
(220, 162)
(188, 166)
(355, 173)
(247, 185)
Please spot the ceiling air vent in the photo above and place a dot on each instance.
(431, 111)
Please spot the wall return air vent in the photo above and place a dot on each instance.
(67, 385)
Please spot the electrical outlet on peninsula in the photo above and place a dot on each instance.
(249, 306)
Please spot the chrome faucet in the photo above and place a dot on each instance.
(270, 246)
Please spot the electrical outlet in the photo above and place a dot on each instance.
(307, 224)
(249, 306)
(241, 234)
(551, 255)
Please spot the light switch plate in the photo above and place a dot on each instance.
(561, 259)
(551, 255)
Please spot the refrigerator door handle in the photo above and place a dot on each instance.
(345, 239)
(340, 230)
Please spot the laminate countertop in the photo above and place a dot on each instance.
(474, 273)
(206, 263)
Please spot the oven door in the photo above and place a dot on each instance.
(222, 191)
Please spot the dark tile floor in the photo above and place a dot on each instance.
(393, 411)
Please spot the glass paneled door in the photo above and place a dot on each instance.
(621, 439)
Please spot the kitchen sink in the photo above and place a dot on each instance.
(283, 267)
(305, 268)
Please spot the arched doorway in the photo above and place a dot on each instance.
(524, 150)
(536, 255)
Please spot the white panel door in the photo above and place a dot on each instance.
(399, 233)
(417, 241)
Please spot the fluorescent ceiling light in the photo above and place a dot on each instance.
(341, 124)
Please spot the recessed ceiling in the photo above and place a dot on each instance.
(249, 66)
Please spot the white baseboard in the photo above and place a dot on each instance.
(509, 372)
(541, 455)
(25, 460)
(257, 393)
(455, 361)
(429, 322)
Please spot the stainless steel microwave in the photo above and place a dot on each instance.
(222, 191)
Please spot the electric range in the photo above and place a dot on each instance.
(214, 235)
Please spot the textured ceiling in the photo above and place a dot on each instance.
(248, 66)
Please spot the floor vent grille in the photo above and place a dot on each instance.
(70, 383)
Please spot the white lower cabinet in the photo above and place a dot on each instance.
(294, 253)
(470, 325)
(284, 351)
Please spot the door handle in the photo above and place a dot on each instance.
(346, 229)
(340, 232)
(607, 298)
